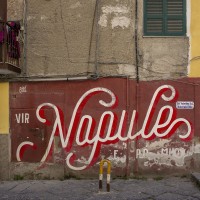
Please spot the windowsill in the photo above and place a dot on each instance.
(167, 36)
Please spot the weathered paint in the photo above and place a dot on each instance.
(67, 109)
(195, 39)
(99, 121)
(120, 16)
(102, 31)
(4, 108)
(161, 154)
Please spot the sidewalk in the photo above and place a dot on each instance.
(173, 188)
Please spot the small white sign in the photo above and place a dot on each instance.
(185, 105)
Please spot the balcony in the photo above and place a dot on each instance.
(10, 48)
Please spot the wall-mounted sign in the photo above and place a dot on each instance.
(185, 105)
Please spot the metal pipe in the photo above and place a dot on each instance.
(97, 40)
(136, 40)
(24, 68)
(128, 123)
(137, 79)
(60, 79)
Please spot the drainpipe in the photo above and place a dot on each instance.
(97, 40)
(24, 68)
(136, 41)
(137, 81)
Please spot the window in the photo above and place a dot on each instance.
(164, 17)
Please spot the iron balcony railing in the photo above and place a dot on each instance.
(10, 47)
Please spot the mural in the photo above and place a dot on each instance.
(98, 119)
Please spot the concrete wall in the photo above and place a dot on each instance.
(69, 37)
(15, 10)
(72, 38)
(161, 57)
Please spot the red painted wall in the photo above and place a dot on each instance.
(151, 126)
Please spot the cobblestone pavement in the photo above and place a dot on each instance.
(165, 189)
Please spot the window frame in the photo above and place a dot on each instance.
(164, 18)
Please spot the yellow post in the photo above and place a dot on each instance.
(101, 174)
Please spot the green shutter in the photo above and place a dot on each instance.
(164, 17)
(175, 20)
(154, 17)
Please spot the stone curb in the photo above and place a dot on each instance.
(196, 177)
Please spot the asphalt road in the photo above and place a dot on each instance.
(172, 188)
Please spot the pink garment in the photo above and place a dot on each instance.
(13, 44)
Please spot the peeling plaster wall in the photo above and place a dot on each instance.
(161, 57)
(164, 58)
(76, 37)
(68, 37)
(164, 155)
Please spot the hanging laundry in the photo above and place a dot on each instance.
(13, 43)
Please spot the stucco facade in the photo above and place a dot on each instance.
(194, 35)
(96, 38)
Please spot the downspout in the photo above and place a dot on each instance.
(4, 19)
(136, 41)
(96, 74)
(24, 69)
(135, 170)
(128, 124)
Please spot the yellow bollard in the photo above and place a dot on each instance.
(101, 174)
